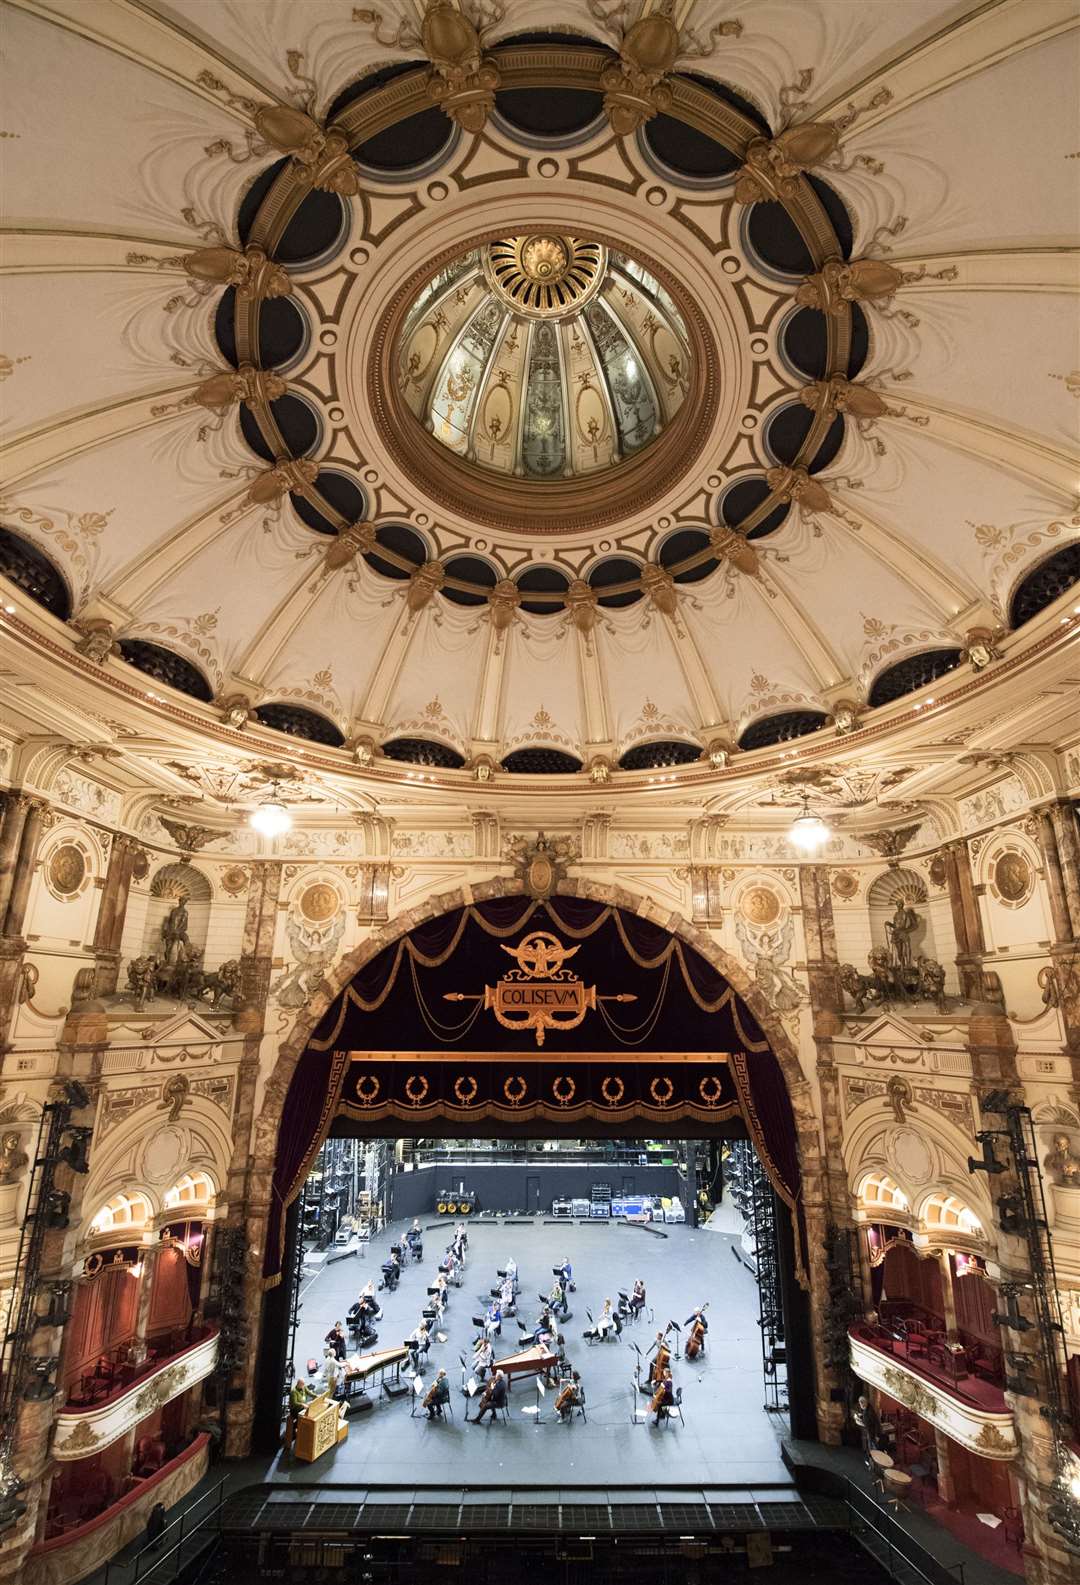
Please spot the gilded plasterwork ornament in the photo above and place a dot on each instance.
(98, 641)
(236, 711)
(540, 863)
(245, 384)
(350, 542)
(463, 79)
(323, 156)
(795, 484)
(659, 585)
(252, 272)
(424, 584)
(277, 482)
(635, 86)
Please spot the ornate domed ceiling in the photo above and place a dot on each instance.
(615, 395)
(544, 356)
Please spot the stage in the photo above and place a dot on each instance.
(727, 1441)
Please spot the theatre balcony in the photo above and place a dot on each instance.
(94, 1517)
(932, 1379)
(102, 1408)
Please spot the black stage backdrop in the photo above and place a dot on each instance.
(687, 1049)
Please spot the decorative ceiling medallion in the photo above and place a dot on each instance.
(545, 276)
(66, 871)
(1012, 879)
(319, 902)
(760, 905)
(844, 884)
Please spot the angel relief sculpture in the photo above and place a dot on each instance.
(767, 951)
(313, 950)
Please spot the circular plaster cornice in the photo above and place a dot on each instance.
(719, 379)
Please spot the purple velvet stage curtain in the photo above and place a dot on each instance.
(309, 1106)
(315, 1090)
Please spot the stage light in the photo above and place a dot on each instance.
(271, 818)
(989, 1162)
(41, 1368)
(75, 1154)
(57, 1202)
(1011, 1218)
(808, 832)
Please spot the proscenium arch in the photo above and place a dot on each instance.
(268, 1122)
(269, 1117)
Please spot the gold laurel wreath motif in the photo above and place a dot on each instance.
(613, 1089)
(520, 1091)
(710, 1089)
(661, 1090)
(566, 1082)
(416, 1088)
(466, 1098)
(367, 1088)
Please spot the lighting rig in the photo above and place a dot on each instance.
(1022, 1214)
(23, 1373)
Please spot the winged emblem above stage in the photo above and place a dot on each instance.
(540, 864)
(540, 994)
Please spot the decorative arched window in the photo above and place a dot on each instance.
(879, 1193)
(194, 1188)
(123, 1213)
(944, 1212)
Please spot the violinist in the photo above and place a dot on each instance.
(335, 1341)
(556, 1300)
(437, 1396)
(418, 1343)
(661, 1360)
(695, 1342)
(493, 1320)
(637, 1298)
(482, 1357)
(663, 1397)
(571, 1397)
(607, 1322)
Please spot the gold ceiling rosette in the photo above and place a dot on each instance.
(545, 276)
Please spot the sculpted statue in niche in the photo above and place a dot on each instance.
(174, 932)
(898, 932)
(1062, 1165)
(13, 1157)
(893, 975)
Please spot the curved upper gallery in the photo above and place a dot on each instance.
(616, 395)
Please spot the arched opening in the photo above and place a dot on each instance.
(420, 1039)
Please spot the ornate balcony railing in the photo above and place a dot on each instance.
(989, 1431)
(83, 1431)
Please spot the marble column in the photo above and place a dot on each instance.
(16, 809)
(967, 923)
(32, 827)
(945, 1485)
(948, 1293)
(1062, 889)
(248, 1192)
(112, 913)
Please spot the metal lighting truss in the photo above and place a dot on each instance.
(1022, 1212)
(753, 1195)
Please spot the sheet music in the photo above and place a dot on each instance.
(417, 1385)
(472, 1387)
(541, 1389)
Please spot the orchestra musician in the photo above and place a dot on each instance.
(570, 1397)
(482, 1357)
(506, 1296)
(511, 1273)
(298, 1399)
(637, 1298)
(335, 1341)
(608, 1321)
(493, 1320)
(391, 1271)
(566, 1273)
(418, 1343)
(493, 1397)
(663, 1397)
(660, 1362)
(544, 1330)
(695, 1342)
(437, 1395)
(557, 1301)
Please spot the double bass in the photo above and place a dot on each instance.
(696, 1340)
(660, 1362)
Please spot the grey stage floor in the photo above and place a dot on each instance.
(727, 1439)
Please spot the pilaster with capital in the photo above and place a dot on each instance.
(967, 925)
(247, 1191)
(112, 912)
(18, 855)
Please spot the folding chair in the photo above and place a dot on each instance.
(668, 1410)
